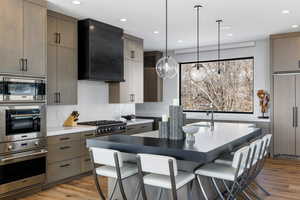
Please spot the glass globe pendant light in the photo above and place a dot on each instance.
(198, 71)
(167, 67)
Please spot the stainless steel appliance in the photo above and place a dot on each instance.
(22, 89)
(22, 164)
(22, 122)
(106, 127)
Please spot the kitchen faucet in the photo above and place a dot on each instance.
(211, 113)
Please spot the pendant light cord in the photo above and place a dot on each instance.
(219, 44)
(167, 29)
(198, 34)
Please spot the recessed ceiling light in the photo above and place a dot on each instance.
(156, 32)
(229, 34)
(226, 27)
(285, 12)
(180, 41)
(295, 26)
(123, 20)
(76, 2)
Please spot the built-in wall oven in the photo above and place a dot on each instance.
(22, 89)
(22, 165)
(22, 122)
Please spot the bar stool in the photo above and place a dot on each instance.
(232, 173)
(113, 167)
(162, 172)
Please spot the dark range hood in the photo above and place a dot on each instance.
(100, 51)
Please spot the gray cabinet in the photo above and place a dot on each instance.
(285, 52)
(132, 89)
(22, 37)
(286, 122)
(153, 84)
(62, 59)
(139, 128)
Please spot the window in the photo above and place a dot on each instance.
(231, 91)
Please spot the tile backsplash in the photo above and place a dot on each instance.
(92, 105)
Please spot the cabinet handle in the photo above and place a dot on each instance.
(59, 98)
(59, 38)
(133, 97)
(65, 147)
(65, 138)
(87, 160)
(55, 97)
(89, 135)
(132, 54)
(298, 63)
(66, 165)
(26, 64)
(21, 62)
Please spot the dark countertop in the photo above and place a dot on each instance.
(209, 144)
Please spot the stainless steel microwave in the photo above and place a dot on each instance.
(22, 89)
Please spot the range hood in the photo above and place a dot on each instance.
(100, 51)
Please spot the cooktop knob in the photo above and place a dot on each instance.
(10, 147)
(36, 143)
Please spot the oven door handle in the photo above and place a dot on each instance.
(24, 156)
(25, 115)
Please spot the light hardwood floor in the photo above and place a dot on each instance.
(280, 177)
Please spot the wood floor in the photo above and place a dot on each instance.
(280, 177)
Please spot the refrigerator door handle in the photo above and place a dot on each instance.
(296, 116)
(293, 117)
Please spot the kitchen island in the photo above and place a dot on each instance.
(209, 144)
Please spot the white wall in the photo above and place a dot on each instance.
(260, 52)
(92, 105)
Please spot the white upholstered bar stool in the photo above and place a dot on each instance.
(232, 173)
(112, 166)
(162, 172)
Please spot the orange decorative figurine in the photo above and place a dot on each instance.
(264, 99)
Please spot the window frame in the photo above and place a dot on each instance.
(207, 61)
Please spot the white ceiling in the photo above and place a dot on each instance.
(249, 19)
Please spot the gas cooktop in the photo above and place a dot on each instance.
(102, 123)
(107, 127)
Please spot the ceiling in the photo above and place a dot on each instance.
(248, 19)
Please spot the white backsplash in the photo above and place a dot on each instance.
(92, 105)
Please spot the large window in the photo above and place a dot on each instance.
(230, 91)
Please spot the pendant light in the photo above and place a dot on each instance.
(198, 70)
(219, 44)
(166, 67)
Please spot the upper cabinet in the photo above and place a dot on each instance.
(101, 51)
(23, 37)
(62, 60)
(153, 84)
(285, 52)
(132, 89)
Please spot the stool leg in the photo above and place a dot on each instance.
(98, 186)
(189, 190)
(159, 194)
(138, 190)
(122, 189)
(113, 191)
(217, 188)
(261, 188)
(201, 187)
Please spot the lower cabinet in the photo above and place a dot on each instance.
(68, 156)
(139, 128)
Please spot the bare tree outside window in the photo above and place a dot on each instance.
(230, 91)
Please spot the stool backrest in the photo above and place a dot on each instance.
(267, 141)
(241, 159)
(257, 147)
(106, 157)
(157, 164)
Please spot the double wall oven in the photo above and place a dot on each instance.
(23, 147)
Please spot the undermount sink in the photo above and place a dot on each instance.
(201, 124)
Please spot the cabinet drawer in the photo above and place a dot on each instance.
(86, 164)
(64, 151)
(63, 138)
(61, 170)
(89, 134)
(140, 128)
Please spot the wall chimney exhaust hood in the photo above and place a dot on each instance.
(100, 51)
